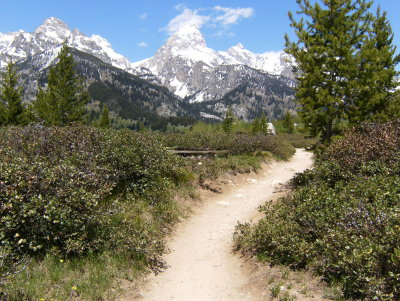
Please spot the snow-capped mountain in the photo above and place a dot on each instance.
(21, 45)
(192, 70)
(276, 63)
(128, 96)
(206, 81)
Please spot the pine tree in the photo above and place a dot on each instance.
(255, 125)
(104, 121)
(326, 55)
(376, 98)
(63, 101)
(2, 113)
(263, 124)
(288, 123)
(11, 96)
(260, 125)
(229, 120)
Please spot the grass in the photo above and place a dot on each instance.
(275, 290)
(298, 140)
(59, 279)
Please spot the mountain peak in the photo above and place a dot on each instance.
(238, 48)
(55, 29)
(50, 35)
(53, 23)
(188, 30)
(239, 45)
(187, 36)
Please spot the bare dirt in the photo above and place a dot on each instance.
(201, 263)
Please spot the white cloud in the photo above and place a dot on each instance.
(180, 6)
(233, 15)
(187, 17)
(142, 44)
(223, 33)
(143, 16)
(220, 18)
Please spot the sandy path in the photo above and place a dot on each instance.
(202, 266)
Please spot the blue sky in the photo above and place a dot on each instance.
(136, 29)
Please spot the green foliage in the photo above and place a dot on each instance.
(129, 98)
(227, 124)
(204, 127)
(370, 143)
(11, 108)
(345, 64)
(343, 218)
(55, 278)
(64, 99)
(234, 144)
(376, 99)
(298, 140)
(85, 195)
(275, 291)
(260, 125)
(288, 123)
(104, 121)
(74, 191)
(2, 113)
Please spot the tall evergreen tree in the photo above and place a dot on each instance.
(104, 121)
(376, 99)
(255, 125)
(330, 54)
(229, 120)
(11, 96)
(63, 101)
(288, 123)
(260, 125)
(263, 124)
(2, 113)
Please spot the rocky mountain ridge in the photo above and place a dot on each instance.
(21, 45)
(189, 68)
(205, 82)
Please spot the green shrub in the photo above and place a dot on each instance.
(78, 190)
(234, 144)
(83, 194)
(298, 140)
(343, 217)
(371, 142)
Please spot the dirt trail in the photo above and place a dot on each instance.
(202, 266)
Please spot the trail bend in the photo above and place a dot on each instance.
(201, 264)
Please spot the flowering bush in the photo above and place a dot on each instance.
(343, 219)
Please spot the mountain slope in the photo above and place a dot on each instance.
(193, 71)
(203, 82)
(21, 45)
(127, 95)
(255, 92)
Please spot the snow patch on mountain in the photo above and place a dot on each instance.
(53, 32)
(185, 61)
(184, 64)
(189, 44)
(180, 88)
(210, 116)
(274, 62)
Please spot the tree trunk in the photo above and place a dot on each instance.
(327, 135)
